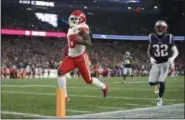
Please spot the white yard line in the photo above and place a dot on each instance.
(94, 115)
(111, 88)
(27, 114)
(131, 82)
(23, 86)
(127, 104)
(115, 108)
(141, 82)
(37, 115)
(131, 104)
(86, 96)
(78, 111)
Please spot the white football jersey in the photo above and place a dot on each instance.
(28, 68)
(74, 49)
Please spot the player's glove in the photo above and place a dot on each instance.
(152, 60)
(171, 60)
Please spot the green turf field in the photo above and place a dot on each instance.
(38, 96)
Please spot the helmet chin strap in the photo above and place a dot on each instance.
(160, 33)
(71, 24)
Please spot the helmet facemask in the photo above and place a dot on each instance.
(161, 27)
(76, 17)
(127, 54)
(73, 20)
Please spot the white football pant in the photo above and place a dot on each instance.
(159, 72)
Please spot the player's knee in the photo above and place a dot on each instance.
(88, 81)
(153, 83)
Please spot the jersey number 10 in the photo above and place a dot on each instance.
(160, 50)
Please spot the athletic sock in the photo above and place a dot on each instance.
(161, 89)
(62, 84)
(124, 77)
(98, 83)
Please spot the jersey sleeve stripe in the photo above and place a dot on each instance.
(171, 39)
(149, 37)
(84, 28)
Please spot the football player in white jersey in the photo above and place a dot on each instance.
(28, 71)
(78, 38)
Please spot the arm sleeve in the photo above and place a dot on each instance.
(150, 38)
(175, 52)
(172, 40)
(149, 46)
(149, 51)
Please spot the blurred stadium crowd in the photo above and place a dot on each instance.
(18, 52)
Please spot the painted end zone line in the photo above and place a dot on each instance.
(111, 114)
(37, 115)
(170, 111)
(27, 114)
(112, 88)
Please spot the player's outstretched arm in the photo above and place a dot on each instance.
(174, 49)
(149, 50)
(175, 53)
(84, 38)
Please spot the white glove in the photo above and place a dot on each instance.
(152, 60)
(171, 60)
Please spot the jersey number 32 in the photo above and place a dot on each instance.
(160, 50)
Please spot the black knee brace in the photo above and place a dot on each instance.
(153, 83)
(60, 73)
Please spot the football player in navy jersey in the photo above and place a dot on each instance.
(127, 66)
(162, 52)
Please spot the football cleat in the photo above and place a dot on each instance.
(105, 91)
(67, 99)
(124, 82)
(159, 101)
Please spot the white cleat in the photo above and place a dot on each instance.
(124, 82)
(159, 102)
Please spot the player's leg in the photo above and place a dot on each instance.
(130, 72)
(163, 75)
(27, 75)
(154, 76)
(48, 75)
(66, 66)
(34, 74)
(83, 65)
(125, 73)
(134, 75)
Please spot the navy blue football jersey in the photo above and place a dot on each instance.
(127, 61)
(160, 47)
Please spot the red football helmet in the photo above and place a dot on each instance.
(161, 27)
(76, 17)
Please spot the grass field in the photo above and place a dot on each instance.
(38, 96)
